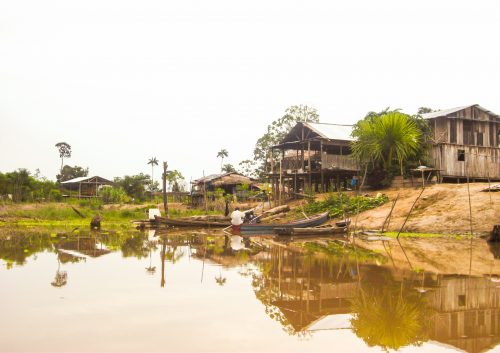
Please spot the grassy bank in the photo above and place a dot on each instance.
(63, 214)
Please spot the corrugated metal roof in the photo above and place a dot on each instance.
(332, 131)
(446, 112)
(81, 179)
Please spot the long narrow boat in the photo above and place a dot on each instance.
(183, 222)
(268, 228)
(310, 231)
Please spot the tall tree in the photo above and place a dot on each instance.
(222, 154)
(64, 152)
(153, 161)
(278, 129)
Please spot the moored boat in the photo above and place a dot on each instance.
(268, 228)
(310, 231)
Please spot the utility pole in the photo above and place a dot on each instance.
(165, 205)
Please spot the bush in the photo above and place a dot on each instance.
(338, 204)
(55, 195)
(114, 195)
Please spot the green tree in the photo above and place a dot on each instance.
(228, 168)
(64, 152)
(68, 173)
(222, 154)
(153, 161)
(174, 178)
(134, 185)
(386, 139)
(247, 167)
(278, 129)
(424, 110)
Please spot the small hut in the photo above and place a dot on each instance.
(231, 183)
(84, 187)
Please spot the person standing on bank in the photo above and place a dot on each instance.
(237, 218)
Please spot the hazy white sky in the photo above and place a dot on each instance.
(122, 81)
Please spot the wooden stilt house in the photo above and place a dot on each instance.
(466, 143)
(84, 187)
(314, 157)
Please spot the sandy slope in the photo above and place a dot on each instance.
(442, 208)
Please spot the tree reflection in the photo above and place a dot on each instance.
(61, 277)
(390, 316)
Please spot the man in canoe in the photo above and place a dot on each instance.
(237, 218)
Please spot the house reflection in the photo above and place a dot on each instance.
(305, 292)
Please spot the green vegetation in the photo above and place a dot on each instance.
(68, 173)
(23, 187)
(389, 141)
(114, 195)
(134, 186)
(338, 204)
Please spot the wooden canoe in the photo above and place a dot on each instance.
(268, 228)
(183, 222)
(310, 231)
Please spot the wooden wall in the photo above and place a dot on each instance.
(480, 162)
(479, 122)
(335, 161)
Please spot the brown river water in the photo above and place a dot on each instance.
(201, 291)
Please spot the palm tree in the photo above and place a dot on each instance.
(153, 161)
(384, 139)
(222, 154)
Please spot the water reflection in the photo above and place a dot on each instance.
(306, 287)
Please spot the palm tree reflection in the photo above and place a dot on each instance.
(391, 316)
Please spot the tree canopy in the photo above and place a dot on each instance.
(134, 185)
(68, 173)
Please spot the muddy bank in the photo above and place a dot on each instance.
(443, 209)
(439, 255)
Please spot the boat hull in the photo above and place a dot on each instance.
(269, 228)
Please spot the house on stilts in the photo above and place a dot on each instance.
(465, 143)
(314, 157)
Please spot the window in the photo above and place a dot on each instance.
(479, 138)
(461, 300)
(333, 149)
(346, 150)
(453, 131)
(467, 133)
(461, 155)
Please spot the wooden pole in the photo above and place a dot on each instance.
(165, 204)
(321, 167)
(309, 165)
(280, 180)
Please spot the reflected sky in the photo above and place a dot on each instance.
(212, 293)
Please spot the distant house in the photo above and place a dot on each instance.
(83, 187)
(314, 156)
(228, 182)
(466, 143)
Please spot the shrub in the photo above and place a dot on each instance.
(55, 195)
(114, 195)
(338, 204)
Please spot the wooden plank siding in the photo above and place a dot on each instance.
(472, 133)
(480, 162)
